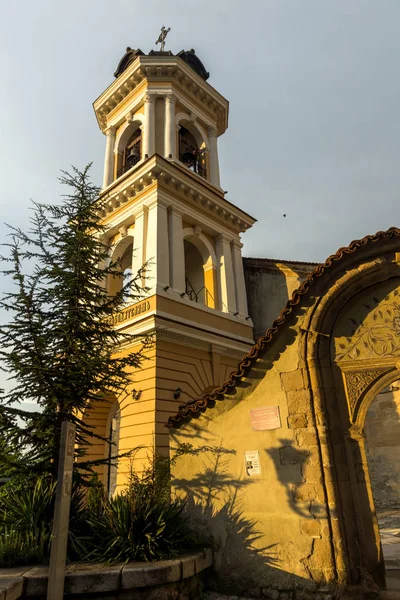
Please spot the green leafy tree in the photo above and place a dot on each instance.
(59, 348)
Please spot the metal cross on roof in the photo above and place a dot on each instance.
(162, 36)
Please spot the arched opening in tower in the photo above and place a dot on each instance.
(102, 418)
(132, 152)
(123, 254)
(190, 152)
(382, 433)
(194, 274)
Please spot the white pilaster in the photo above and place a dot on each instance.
(176, 251)
(109, 158)
(170, 127)
(226, 281)
(240, 286)
(149, 126)
(214, 163)
(138, 256)
(157, 251)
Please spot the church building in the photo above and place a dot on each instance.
(163, 206)
(267, 367)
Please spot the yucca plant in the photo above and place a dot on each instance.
(142, 522)
(25, 522)
(26, 515)
(136, 526)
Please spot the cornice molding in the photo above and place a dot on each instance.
(161, 68)
(176, 178)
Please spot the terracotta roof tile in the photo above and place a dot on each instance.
(250, 261)
(198, 405)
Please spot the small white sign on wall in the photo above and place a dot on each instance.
(252, 460)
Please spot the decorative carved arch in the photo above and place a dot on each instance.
(342, 391)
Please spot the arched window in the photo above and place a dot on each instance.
(132, 152)
(190, 153)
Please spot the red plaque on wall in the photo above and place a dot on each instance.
(266, 417)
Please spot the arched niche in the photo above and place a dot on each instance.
(128, 146)
(200, 268)
(122, 251)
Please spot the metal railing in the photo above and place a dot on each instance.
(193, 161)
(197, 296)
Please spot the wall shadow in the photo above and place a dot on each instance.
(245, 564)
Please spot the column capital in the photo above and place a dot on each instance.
(174, 210)
(224, 237)
(110, 131)
(138, 212)
(156, 202)
(237, 244)
(212, 131)
(150, 98)
(170, 98)
(129, 117)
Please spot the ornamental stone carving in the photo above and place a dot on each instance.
(357, 383)
(370, 327)
(151, 98)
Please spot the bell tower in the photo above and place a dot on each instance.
(164, 206)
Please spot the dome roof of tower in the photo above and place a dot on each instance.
(188, 56)
(128, 58)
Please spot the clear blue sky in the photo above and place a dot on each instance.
(314, 95)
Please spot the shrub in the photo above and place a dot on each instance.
(141, 523)
(26, 519)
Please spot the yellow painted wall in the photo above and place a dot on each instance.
(266, 527)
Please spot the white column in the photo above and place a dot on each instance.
(138, 255)
(109, 158)
(170, 127)
(149, 125)
(226, 281)
(157, 251)
(240, 286)
(214, 163)
(176, 251)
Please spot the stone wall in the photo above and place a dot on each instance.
(178, 579)
(382, 430)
